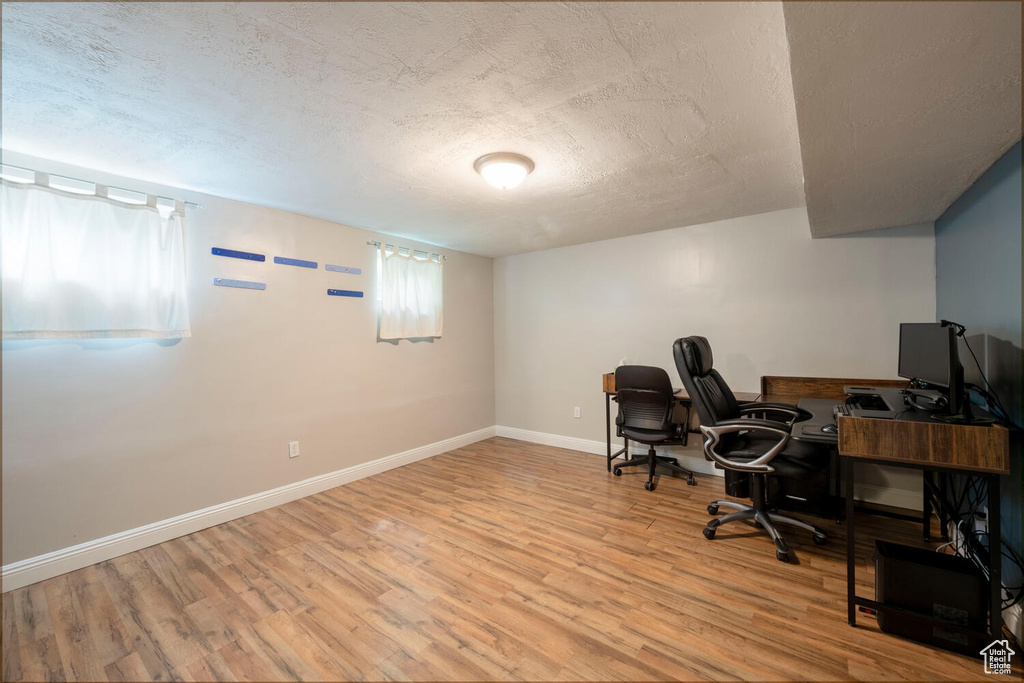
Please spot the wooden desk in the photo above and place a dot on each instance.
(916, 441)
(926, 443)
(913, 441)
(682, 398)
(932, 447)
(791, 389)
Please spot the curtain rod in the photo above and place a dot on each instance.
(377, 244)
(42, 178)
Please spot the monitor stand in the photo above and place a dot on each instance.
(965, 416)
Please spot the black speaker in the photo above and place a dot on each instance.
(944, 587)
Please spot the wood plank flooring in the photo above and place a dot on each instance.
(499, 561)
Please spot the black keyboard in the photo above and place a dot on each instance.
(842, 409)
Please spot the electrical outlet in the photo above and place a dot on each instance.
(293, 449)
(576, 412)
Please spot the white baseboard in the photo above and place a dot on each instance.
(693, 459)
(28, 571)
(570, 442)
(33, 569)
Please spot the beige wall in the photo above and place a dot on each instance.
(108, 435)
(770, 300)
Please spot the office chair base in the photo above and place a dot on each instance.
(763, 520)
(713, 507)
(652, 461)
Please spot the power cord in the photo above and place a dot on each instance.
(969, 492)
(968, 496)
(991, 393)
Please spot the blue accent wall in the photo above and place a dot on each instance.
(978, 284)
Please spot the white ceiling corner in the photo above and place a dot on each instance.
(901, 105)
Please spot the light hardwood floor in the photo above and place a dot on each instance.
(501, 560)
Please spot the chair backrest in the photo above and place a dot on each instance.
(709, 393)
(645, 397)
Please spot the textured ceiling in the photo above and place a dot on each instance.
(639, 116)
(901, 105)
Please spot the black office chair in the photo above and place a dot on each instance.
(751, 439)
(646, 401)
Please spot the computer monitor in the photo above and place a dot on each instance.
(929, 353)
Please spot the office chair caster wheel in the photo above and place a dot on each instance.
(709, 533)
(820, 539)
(690, 481)
(649, 485)
(712, 509)
(617, 472)
(781, 556)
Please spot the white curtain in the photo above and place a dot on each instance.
(78, 267)
(411, 297)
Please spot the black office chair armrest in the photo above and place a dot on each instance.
(772, 404)
(760, 464)
(792, 412)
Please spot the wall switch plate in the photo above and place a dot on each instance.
(576, 412)
(293, 449)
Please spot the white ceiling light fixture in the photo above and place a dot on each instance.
(503, 170)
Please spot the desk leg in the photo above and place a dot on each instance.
(686, 428)
(944, 498)
(995, 559)
(926, 521)
(608, 427)
(839, 507)
(851, 555)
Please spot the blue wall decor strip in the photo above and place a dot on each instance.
(248, 256)
(294, 262)
(243, 284)
(344, 292)
(343, 269)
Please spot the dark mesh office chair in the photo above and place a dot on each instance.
(646, 401)
(751, 439)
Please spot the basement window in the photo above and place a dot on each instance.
(411, 293)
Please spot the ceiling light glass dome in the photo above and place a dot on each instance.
(503, 170)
